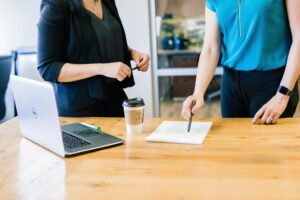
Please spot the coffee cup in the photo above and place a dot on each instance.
(134, 114)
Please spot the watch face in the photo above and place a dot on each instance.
(283, 90)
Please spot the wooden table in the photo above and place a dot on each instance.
(237, 161)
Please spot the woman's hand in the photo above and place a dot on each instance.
(272, 110)
(117, 70)
(141, 59)
(187, 106)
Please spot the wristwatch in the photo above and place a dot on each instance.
(285, 91)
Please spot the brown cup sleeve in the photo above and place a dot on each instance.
(134, 117)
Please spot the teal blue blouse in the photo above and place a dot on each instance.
(255, 34)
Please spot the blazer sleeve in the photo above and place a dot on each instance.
(51, 39)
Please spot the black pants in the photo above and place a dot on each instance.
(243, 93)
(108, 108)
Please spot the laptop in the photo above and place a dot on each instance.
(39, 121)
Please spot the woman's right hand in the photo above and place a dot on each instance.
(117, 70)
(187, 106)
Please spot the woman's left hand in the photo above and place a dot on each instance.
(272, 110)
(141, 59)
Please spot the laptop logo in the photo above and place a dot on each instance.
(34, 113)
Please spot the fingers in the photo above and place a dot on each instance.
(126, 70)
(123, 71)
(266, 116)
(270, 119)
(272, 110)
(121, 76)
(144, 68)
(274, 121)
(186, 108)
(142, 62)
(258, 115)
(197, 106)
(138, 61)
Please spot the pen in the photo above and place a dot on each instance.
(191, 117)
(98, 128)
(135, 68)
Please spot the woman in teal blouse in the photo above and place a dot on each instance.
(258, 44)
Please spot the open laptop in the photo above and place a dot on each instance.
(39, 122)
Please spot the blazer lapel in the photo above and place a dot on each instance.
(111, 5)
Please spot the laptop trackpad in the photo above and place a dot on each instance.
(86, 133)
(80, 130)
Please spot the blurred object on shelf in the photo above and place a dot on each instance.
(168, 16)
(185, 61)
(167, 43)
(187, 33)
(167, 33)
(181, 42)
(167, 28)
(195, 31)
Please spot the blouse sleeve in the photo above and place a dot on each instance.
(211, 5)
(51, 39)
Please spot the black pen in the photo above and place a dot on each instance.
(191, 117)
(135, 68)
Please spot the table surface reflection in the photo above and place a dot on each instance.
(237, 161)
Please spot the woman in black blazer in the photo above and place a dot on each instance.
(83, 52)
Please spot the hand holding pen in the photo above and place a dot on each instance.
(191, 117)
(188, 109)
(135, 68)
(141, 59)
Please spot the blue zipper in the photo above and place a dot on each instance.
(240, 17)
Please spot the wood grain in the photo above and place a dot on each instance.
(237, 161)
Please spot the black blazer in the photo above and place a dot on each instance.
(66, 35)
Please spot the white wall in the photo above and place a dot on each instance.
(18, 22)
(135, 17)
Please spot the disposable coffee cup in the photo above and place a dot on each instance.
(134, 114)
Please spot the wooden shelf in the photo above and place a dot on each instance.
(183, 71)
(162, 52)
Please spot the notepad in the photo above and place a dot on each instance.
(176, 132)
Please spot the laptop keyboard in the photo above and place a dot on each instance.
(72, 142)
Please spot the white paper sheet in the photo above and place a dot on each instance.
(176, 132)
